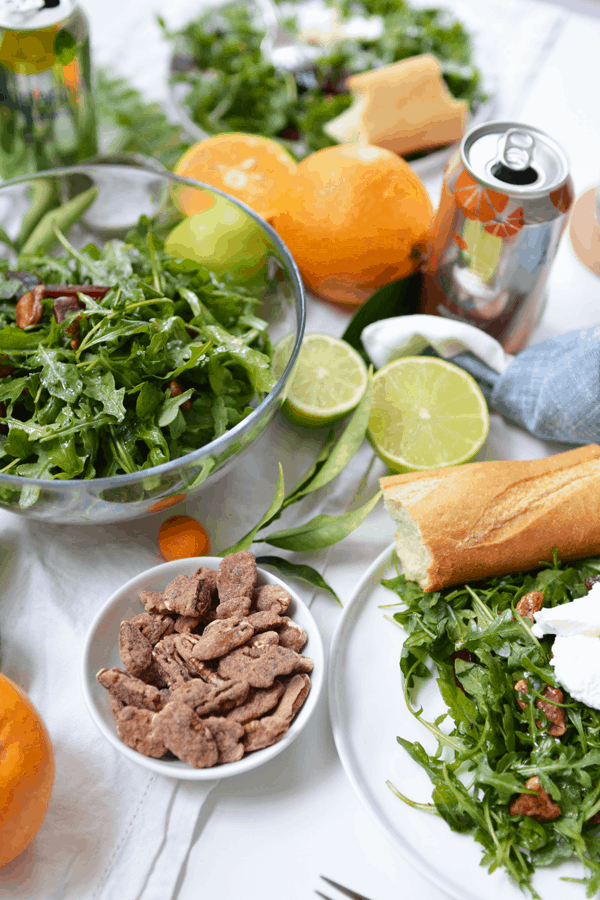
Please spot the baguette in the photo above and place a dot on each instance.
(490, 518)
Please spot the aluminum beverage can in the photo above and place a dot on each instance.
(504, 205)
(47, 116)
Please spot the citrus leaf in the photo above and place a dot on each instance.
(322, 531)
(268, 516)
(302, 573)
(349, 442)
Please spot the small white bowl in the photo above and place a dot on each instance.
(102, 650)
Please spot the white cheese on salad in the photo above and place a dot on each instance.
(581, 616)
(576, 649)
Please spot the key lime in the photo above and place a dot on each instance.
(329, 380)
(426, 414)
(223, 238)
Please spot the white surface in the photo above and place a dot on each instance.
(368, 713)
(101, 650)
(53, 579)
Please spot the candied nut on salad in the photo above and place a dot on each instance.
(212, 667)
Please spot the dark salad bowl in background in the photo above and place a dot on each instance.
(92, 429)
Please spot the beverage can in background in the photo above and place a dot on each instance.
(504, 205)
(46, 110)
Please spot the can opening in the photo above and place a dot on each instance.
(514, 176)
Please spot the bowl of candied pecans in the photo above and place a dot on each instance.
(203, 668)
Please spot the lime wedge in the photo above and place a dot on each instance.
(329, 380)
(426, 414)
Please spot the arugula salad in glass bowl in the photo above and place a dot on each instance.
(133, 372)
(221, 81)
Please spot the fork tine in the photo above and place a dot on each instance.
(353, 894)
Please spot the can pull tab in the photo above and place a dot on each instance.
(518, 149)
(515, 153)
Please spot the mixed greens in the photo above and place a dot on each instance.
(481, 648)
(165, 361)
(232, 87)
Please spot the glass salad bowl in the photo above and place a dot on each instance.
(135, 341)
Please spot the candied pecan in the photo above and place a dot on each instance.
(260, 733)
(595, 819)
(170, 662)
(64, 305)
(135, 649)
(185, 734)
(521, 687)
(539, 806)
(176, 391)
(235, 606)
(273, 597)
(130, 690)
(28, 310)
(206, 699)
(555, 714)
(227, 734)
(116, 705)
(208, 596)
(154, 602)
(292, 635)
(185, 624)
(258, 702)
(260, 667)
(237, 575)
(530, 604)
(591, 581)
(182, 595)
(266, 620)
(153, 626)
(135, 728)
(206, 671)
(263, 639)
(222, 636)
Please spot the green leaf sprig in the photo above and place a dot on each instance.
(322, 531)
(494, 746)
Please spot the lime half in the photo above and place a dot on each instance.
(329, 380)
(426, 414)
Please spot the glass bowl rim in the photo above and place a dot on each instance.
(196, 456)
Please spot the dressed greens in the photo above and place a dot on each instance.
(233, 87)
(165, 361)
(490, 746)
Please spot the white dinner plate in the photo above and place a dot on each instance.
(367, 713)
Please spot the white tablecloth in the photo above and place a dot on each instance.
(298, 817)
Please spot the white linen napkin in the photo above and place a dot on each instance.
(400, 336)
(113, 830)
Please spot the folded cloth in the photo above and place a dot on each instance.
(551, 389)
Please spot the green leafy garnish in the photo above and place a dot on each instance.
(489, 746)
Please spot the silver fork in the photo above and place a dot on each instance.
(286, 52)
(340, 887)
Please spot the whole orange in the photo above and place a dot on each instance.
(355, 218)
(26, 771)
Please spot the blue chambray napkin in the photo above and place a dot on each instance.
(551, 389)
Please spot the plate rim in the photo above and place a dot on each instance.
(337, 650)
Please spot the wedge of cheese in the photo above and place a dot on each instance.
(403, 107)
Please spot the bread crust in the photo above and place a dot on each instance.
(492, 518)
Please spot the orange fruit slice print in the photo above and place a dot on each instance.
(460, 241)
(508, 227)
(478, 202)
(562, 197)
